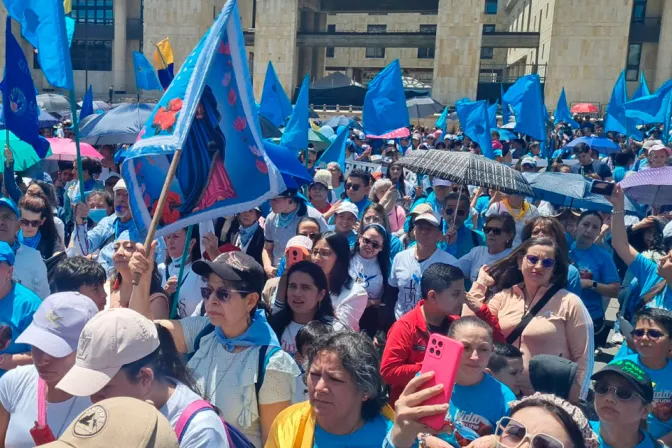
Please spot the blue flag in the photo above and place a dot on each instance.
(43, 25)
(295, 136)
(18, 96)
(208, 113)
(474, 121)
(616, 120)
(651, 108)
(442, 122)
(528, 106)
(492, 115)
(562, 114)
(506, 110)
(145, 76)
(335, 152)
(69, 28)
(275, 106)
(643, 88)
(385, 108)
(87, 104)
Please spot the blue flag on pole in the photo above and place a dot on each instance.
(385, 114)
(275, 106)
(43, 25)
(528, 106)
(616, 120)
(506, 110)
(442, 122)
(643, 88)
(69, 28)
(18, 96)
(87, 104)
(562, 114)
(474, 121)
(295, 136)
(651, 108)
(492, 115)
(145, 76)
(335, 152)
(209, 113)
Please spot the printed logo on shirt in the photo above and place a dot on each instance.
(470, 426)
(662, 405)
(364, 280)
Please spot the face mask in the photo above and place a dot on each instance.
(96, 214)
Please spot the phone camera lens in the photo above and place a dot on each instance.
(431, 350)
(440, 344)
(438, 353)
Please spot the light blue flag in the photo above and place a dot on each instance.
(145, 76)
(642, 90)
(87, 104)
(385, 112)
(335, 152)
(474, 121)
(275, 106)
(43, 25)
(527, 103)
(295, 136)
(506, 110)
(70, 29)
(562, 114)
(208, 113)
(442, 122)
(616, 120)
(651, 108)
(492, 114)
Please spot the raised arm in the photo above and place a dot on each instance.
(619, 235)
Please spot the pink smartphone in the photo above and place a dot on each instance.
(443, 356)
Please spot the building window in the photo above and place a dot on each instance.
(639, 11)
(99, 12)
(377, 53)
(94, 55)
(491, 7)
(486, 52)
(428, 52)
(487, 29)
(330, 50)
(634, 57)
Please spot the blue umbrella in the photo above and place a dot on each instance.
(600, 144)
(293, 172)
(120, 125)
(45, 120)
(504, 134)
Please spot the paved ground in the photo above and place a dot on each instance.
(608, 352)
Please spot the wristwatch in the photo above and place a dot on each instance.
(594, 284)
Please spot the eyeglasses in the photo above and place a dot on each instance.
(310, 235)
(353, 187)
(623, 393)
(546, 263)
(30, 223)
(222, 294)
(371, 219)
(512, 434)
(653, 334)
(322, 253)
(495, 230)
(450, 211)
(369, 242)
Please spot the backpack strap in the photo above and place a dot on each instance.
(265, 353)
(188, 414)
(203, 333)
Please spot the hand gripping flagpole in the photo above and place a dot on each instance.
(75, 125)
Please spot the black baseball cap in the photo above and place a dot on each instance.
(634, 374)
(235, 267)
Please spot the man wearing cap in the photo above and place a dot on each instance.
(430, 140)
(289, 208)
(319, 191)
(29, 268)
(52, 338)
(528, 165)
(345, 219)
(416, 140)
(658, 156)
(116, 227)
(441, 188)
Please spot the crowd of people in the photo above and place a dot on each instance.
(304, 322)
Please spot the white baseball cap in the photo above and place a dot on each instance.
(300, 241)
(348, 207)
(112, 339)
(429, 217)
(441, 183)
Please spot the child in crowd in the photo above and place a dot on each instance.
(305, 339)
(506, 365)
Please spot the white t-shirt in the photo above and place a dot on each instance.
(204, 430)
(407, 273)
(499, 208)
(367, 273)
(288, 339)
(18, 395)
(350, 304)
(190, 292)
(478, 256)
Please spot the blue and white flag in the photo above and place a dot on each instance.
(209, 113)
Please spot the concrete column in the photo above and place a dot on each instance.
(306, 53)
(275, 40)
(664, 59)
(319, 53)
(119, 46)
(458, 46)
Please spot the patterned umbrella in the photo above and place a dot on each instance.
(652, 186)
(467, 169)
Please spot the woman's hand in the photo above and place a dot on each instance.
(617, 198)
(211, 245)
(484, 442)
(171, 285)
(9, 156)
(484, 278)
(644, 223)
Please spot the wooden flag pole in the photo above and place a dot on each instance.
(160, 205)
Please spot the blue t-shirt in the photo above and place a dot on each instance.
(16, 311)
(482, 204)
(646, 273)
(464, 242)
(371, 434)
(647, 440)
(660, 419)
(475, 410)
(597, 262)
(573, 281)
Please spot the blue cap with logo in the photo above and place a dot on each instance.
(8, 203)
(6, 254)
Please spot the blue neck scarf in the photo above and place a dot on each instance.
(284, 219)
(89, 184)
(32, 241)
(120, 227)
(258, 333)
(246, 233)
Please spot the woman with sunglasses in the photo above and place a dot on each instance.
(458, 239)
(375, 214)
(37, 226)
(331, 252)
(623, 397)
(370, 267)
(520, 210)
(536, 270)
(500, 230)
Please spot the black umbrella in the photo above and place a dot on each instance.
(53, 103)
(268, 130)
(423, 106)
(466, 168)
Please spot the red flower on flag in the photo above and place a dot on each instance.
(226, 80)
(224, 48)
(262, 167)
(164, 120)
(254, 150)
(171, 212)
(232, 97)
(239, 124)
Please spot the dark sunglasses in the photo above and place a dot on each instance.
(222, 294)
(369, 242)
(547, 263)
(623, 393)
(653, 334)
(450, 211)
(310, 235)
(512, 434)
(495, 230)
(353, 187)
(30, 223)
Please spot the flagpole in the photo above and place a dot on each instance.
(185, 254)
(75, 125)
